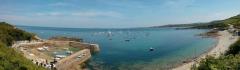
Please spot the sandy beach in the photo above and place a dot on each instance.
(224, 41)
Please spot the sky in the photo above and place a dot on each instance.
(114, 13)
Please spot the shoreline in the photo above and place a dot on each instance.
(224, 40)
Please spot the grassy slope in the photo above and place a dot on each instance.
(10, 59)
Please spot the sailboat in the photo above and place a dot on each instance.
(109, 34)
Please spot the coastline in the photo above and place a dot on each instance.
(225, 39)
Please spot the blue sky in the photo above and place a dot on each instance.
(114, 13)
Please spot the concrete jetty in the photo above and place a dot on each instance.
(71, 62)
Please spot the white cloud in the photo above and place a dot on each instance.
(124, 3)
(12, 17)
(55, 13)
(59, 4)
(98, 14)
(178, 4)
(86, 14)
(49, 14)
(62, 19)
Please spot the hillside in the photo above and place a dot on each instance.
(10, 59)
(222, 24)
(235, 20)
(9, 34)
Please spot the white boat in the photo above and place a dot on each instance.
(151, 49)
(69, 52)
(60, 56)
(109, 33)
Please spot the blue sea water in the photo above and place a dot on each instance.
(128, 49)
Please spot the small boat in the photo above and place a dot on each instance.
(61, 56)
(151, 49)
(69, 52)
(127, 40)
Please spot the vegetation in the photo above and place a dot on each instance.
(235, 20)
(9, 34)
(229, 61)
(214, 24)
(220, 24)
(9, 58)
(234, 48)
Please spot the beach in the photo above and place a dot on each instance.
(225, 39)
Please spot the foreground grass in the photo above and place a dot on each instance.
(11, 60)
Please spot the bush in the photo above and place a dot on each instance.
(228, 62)
(234, 48)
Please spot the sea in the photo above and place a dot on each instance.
(135, 48)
